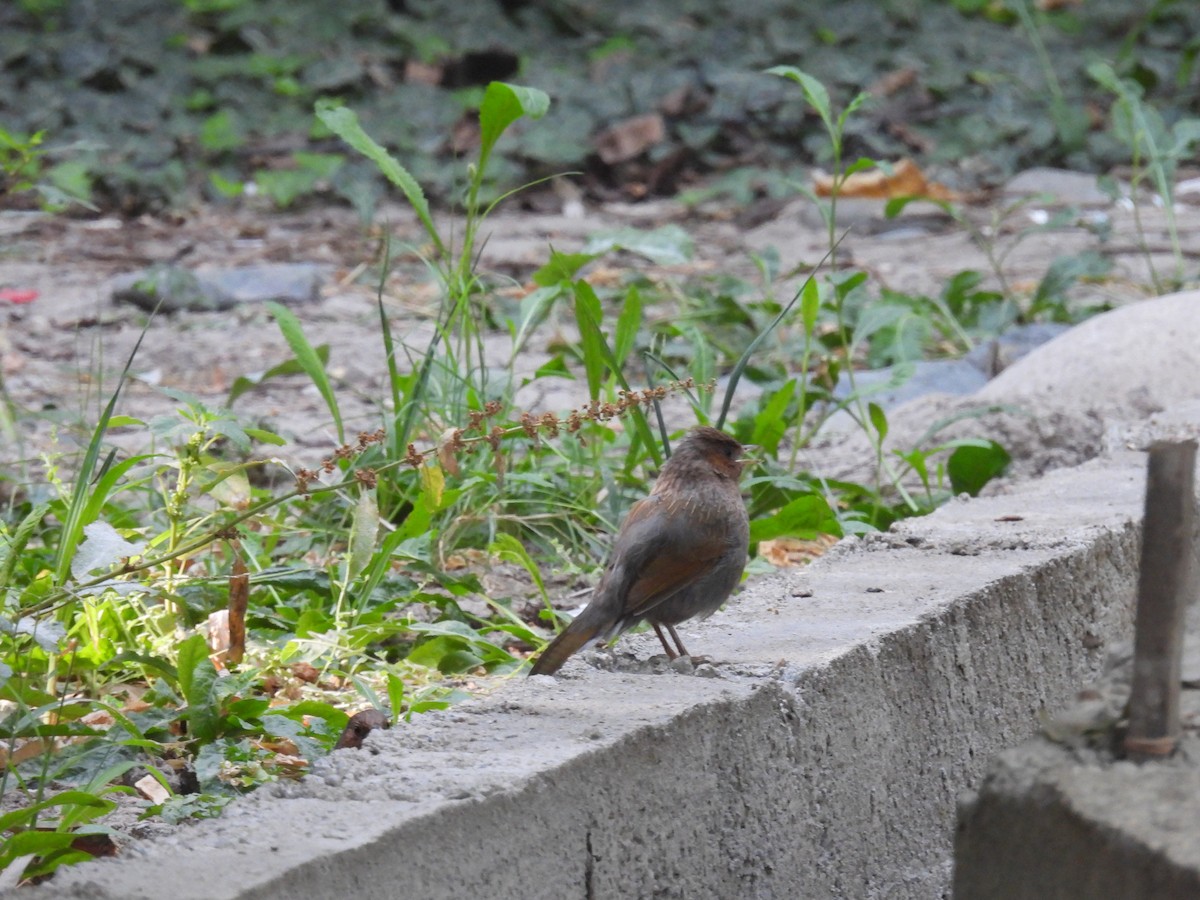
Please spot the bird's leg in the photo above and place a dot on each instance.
(678, 643)
(696, 660)
(671, 654)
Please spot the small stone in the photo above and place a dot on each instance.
(169, 289)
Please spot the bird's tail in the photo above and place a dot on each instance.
(578, 634)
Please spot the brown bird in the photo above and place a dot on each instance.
(360, 725)
(678, 554)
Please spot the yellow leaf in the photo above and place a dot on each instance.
(433, 483)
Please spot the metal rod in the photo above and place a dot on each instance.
(1162, 601)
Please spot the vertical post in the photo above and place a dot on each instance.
(1162, 601)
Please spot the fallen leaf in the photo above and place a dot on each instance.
(100, 718)
(906, 180)
(278, 745)
(239, 599)
(891, 82)
(416, 72)
(150, 788)
(305, 672)
(786, 551)
(630, 138)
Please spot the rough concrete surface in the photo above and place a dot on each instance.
(1063, 818)
(851, 704)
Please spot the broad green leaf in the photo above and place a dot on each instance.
(502, 105)
(810, 305)
(770, 423)
(561, 267)
(395, 692)
(805, 517)
(972, 465)
(197, 680)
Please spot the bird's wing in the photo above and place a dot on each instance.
(658, 554)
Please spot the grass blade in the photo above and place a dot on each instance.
(309, 360)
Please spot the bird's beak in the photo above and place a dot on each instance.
(749, 457)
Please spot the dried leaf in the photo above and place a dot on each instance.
(239, 600)
(787, 551)
(306, 672)
(150, 788)
(630, 138)
(448, 449)
(906, 180)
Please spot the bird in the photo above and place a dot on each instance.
(679, 553)
(360, 725)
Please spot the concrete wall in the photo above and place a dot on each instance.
(850, 705)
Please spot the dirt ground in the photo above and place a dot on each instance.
(62, 351)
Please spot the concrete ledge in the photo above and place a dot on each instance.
(853, 702)
(1046, 826)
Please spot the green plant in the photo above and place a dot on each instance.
(352, 575)
(1156, 151)
(817, 96)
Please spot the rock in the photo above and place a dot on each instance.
(182, 290)
(169, 289)
(1124, 364)
(1073, 188)
(281, 282)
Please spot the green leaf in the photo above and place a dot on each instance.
(629, 323)
(244, 383)
(810, 305)
(395, 692)
(266, 437)
(770, 423)
(805, 517)
(1064, 272)
(667, 246)
(878, 420)
(502, 105)
(974, 464)
(535, 307)
(561, 267)
(508, 548)
(344, 123)
(308, 358)
(591, 339)
(814, 91)
(197, 683)
(555, 367)
(220, 132)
